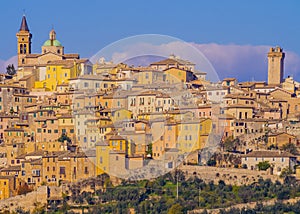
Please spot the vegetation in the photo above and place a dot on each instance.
(290, 147)
(149, 150)
(264, 165)
(231, 144)
(286, 172)
(278, 207)
(10, 70)
(160, 195)
(64, 137)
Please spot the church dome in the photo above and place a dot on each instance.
(52, 40)
(52, 43)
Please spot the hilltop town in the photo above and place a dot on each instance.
(64, 119)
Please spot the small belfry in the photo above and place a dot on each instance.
(275, 66)
(24, 41)
(52, 45)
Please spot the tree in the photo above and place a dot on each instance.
(149, 150)
(211, 162)
(286, 172)
(10, 70)
(20, 210)
(64, 137)
(11, 111)
(231, 144)
(176, 209)
(264, 165)
(290, 147)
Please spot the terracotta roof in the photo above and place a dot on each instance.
(72, 55)
(102, 143)
(14, 130)
(238, 106)
(229, 79)
(117, 137)
(11, 168)
(280, 133)
(239, 96)
(269, 153)
(172, 62)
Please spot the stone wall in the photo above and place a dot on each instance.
(231, 176)
(28, 201)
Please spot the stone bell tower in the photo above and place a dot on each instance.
(24, 42)
(275, 66)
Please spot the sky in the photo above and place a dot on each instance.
(234, 35)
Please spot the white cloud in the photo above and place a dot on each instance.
(246, 62)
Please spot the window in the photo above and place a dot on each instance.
(86, 84)
(62, 170)
(21, 48)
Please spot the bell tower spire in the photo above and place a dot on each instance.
(24, 41)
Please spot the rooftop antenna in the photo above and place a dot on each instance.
(23, 12)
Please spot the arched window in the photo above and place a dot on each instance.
(21, 48)
(25, 48)
(58, 51)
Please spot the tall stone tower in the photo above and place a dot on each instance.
(275, 66)
(24, 42)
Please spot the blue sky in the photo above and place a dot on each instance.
(87, 26)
